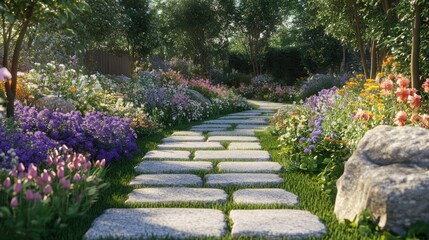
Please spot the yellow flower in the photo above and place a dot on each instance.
(359, 75)
(73, 90)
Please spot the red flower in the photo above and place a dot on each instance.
(402, 94)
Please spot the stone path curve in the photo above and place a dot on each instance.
(190, 167)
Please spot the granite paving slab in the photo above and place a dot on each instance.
(252, 127)
(209, 129)
(167, 180)
(244, 146)
(237, 155)
(240, 116)
(158, 223)
(242, 179)
(265, 196)
(212, 126)
(236, 121)
(167, 155)
(172, 166)
(249, 167)
(273, 223)
(177, 194)
(232, 139)
(184, 139)
(187, 133)
(191, 145)
(233, 133)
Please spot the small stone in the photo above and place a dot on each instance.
(233, 133)
(158, 223)
(172, 166)
(167, 155)
(265, 196)
(184, 139)
(239, 155)
(191, 145)
(273, 223)
(232, 138)
(180, 194)
(244, 146)
(187, 133)
(167, 180)
(242, 179)
(249, 167)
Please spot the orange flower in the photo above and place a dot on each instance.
(402, 94)
(73, 90)
(401, 118)
(415, 101)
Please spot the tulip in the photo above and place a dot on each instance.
(29, 195)
(7, 182)
(47, 189)
(32, 172)
(60, 172)
(21, 167)
(14, 202)
(65, 183)
(76, 177)
(17, 187)
(46, 177)
(37, 196)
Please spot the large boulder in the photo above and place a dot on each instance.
(388, 175)
(54, 103)
(196, 96)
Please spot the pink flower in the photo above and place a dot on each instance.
(47, 189)
(65, 183)
(17, 187)
(391, 76)
(29, 195)
(60, 172)
(14, 202)
(362, 115)
(21, 167)
(103, 163)
(402, 94)
(76, 177)
(401, 118)
(39, 181)
(414, 101)
(425, 85)
(387, 84)
(403, 82)
(37, 196)
(45, 176)
(32, 172)
(7, 182)
(5, 75)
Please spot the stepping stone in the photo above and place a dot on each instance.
(172, 166)
(244, 146)
(167, 180)
(212, 126)
(265, 196)
(238, 155)
(239, 116)
(242, 179)
(273, 223)
(158, 223)
(187, 133)
(184, 139)
(191, 145)
(181, 194)
(249, 167)
(251, 127)
(167, 155)
(232, 138)
(236, 121)
(233, 133)
(209, 129)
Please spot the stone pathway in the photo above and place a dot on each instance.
(197, 166)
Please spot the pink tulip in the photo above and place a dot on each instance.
(7, 182)
(53, 174)
(60, 172)
(14, 202)
(17, 187)
(39, 182)
(37, 196)
(402, 94)
(49, 160)
(401, 118)
(13, 173)
(76, 177)
(46, 177)
(21, 167)
(425, 85)
(415, 101)
(47, 189)
(32, 172)
(103, 163)
(29, 195)
(88, 165)
(5, 75)
(65, 183)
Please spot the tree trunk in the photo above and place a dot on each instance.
(344, 59)
(373, 73)
(415, 51)
(382, 55)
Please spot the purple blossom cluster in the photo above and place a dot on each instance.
(318, 82)
(98, 134)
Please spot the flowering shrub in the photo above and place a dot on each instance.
(99, 134)
(317, 82)
(38, 200)
(268, 91)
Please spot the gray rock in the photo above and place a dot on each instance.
(232, 139)
(172, 166)
(244, 146)
(236, 155)
(274, 224)
(191, 145)
(54, 103)
(265, 196)
(242, 179)
(233, 133)
(194, 95)
(249, 167)
(177, 194)
(388, 175)
(159, 223)
(167, 155)
(167, 180)
(187, 133)
(184, 139)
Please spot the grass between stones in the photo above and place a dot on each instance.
(303, 185)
